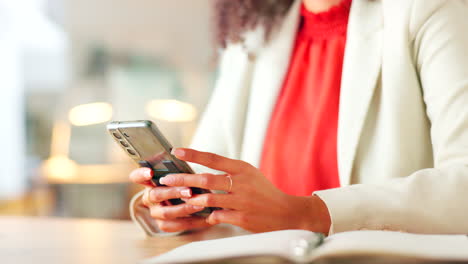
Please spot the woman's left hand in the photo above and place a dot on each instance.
(251, 201)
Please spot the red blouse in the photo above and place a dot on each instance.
(300, 149)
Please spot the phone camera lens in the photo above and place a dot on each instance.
(117, 135)
(131, 152)
(124, 143)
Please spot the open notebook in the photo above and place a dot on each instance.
(299, 246)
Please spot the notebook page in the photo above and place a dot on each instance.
(434, 247)
(276, 243)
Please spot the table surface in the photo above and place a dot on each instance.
(58, 240)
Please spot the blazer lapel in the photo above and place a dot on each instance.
(361, 70)
(271, 66)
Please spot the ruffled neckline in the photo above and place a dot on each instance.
(330, 22)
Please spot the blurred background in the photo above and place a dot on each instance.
(70, 66)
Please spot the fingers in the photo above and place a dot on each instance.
(249, 222)
(205, 181)
(226, 201)
(160, 194)
(142, 176)
(173, 212)
(157, 195)
(182, 224)
(211, 160)
(145, 199)
(229, 217)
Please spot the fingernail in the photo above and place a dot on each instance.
(178, 152)
(186, 193)
(164, 180)
(196, 207)
(148, 174)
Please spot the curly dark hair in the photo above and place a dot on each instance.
(234, 17)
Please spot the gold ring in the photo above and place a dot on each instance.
(230, 183)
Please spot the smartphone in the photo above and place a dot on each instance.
(146, 145)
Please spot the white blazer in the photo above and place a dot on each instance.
(403, 117)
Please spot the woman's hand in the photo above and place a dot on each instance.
(169, 218)
(252, 201)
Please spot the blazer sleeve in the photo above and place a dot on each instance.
(433, 200)
(140, 215)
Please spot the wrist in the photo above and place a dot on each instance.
(314, 214)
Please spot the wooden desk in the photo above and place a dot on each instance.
(55, 240)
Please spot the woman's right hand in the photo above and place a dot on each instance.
(169, 218)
